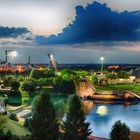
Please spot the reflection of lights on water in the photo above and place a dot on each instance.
(102, 110)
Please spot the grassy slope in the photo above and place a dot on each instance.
(16, 128)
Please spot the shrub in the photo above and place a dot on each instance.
(13, 117)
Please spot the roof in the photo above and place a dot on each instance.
(96, 138)
(135, 135)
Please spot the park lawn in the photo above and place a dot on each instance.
(16, 128)
(120, 87)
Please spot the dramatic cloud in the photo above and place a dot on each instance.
(97, 22)
(7, 32)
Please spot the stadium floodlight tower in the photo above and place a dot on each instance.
(53, 63)
(12, 54)
(102, 64)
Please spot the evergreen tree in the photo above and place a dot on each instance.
(75, 125)
(120, 131)
(44, 124)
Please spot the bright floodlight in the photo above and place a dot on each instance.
(13, 53)
(51, 56)
(102, 58)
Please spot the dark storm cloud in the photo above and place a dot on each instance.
(7, 32)
(97, 22)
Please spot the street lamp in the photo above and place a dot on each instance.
(102, 64)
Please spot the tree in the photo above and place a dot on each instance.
(28, 86)
(111, 76)
(120, 131)
(36, 74)
(45, 82)
(64, 86)
(49, 73)
(15, 85)
(68, 74)
(45, 73)
(94, 80)
(82, 74)
(3, 121)
(13, 116)
(44, 123)
(123, 74)
(27, 123)
(75, 126)
(8, 80)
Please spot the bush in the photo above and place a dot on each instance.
(29, 86)
(8, 136)
(15, 85)
(27, 123)
(13, 117)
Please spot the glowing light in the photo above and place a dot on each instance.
(13, 54)
(51, 56)
(102, 58)
(102, 110)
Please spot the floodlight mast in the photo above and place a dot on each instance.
(12, 54)
(53, 63)
(102, 64)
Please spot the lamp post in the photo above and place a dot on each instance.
(102, 64)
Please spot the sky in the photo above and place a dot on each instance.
(75, 31)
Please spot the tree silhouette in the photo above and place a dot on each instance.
(120, 131)
(44, 124)
(75, 125)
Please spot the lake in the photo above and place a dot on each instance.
(102, 116)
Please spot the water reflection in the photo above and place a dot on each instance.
(102, 117)
(88, 106)
(102, 110)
